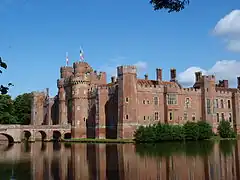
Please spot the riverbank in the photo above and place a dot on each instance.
(89, 140)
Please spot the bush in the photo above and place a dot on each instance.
(225, 130)
(191, 131)
(166, 132)
(205, 130)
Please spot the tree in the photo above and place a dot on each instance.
(22, 108)
(6, 110)
(4, 89)
(170, 5)
(225, 130)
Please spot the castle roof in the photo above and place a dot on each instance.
(153, 82)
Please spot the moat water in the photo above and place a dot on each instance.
(166, 161)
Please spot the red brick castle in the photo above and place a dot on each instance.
(97, 109)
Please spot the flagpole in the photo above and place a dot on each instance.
(66, 58)
(81, 54)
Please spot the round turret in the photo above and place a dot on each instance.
(66, 71)
(60, 83)
(81, 68)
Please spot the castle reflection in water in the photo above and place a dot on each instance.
(58, 161)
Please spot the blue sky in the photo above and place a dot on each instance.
(35, 36)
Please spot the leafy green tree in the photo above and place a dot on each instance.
(225, 130)
(22, 108)
(4, 89)
(6, 110)
(205, 130)
(191, 130)
(170, 5)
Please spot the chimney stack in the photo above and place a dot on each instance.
(146, 76)
(225, 83)
(159, 74)
(198, 76)
(173, 74)
(113, 79)
(238, 82)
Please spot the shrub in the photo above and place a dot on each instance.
(205, 130)
(191, 131)
(225, 130)
(166, 132)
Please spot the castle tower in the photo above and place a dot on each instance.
(62, 102)
(79, 100)
(37, 108)
(208, 97)
(65, 73)
(127, 101)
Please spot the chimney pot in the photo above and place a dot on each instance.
(159, 74)
(146, 76)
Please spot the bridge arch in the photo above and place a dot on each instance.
(40, 135)
(26, 135)
(9, 137)
(56, 135)
(67, 135)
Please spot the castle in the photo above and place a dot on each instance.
(94, 108)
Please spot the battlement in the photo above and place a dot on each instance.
(126, 69)
(81, 68)
(78, 80)
(223, 91)
(191, 89)
(66, 71)
(209, 77)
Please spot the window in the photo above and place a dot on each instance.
(216, 103)
(208, 106)
(126, 116)
(170, 116)
(194, 117)
(217, 117)
(155, 99)
(229, 104)
(187, 102)
(156, 115)
(230, 117)
(172, 99)
(222, 116)
(126, 99)
(222, 105)
(148, 101)
(144, 102)
(144, 117)
(185, 116)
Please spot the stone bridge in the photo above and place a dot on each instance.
(17, 133)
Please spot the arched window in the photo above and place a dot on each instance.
(155, 99)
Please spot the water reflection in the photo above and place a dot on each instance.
(167, 161)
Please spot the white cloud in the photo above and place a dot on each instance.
(187, 77)
(141, 65)
(225, 69)
(229, 28)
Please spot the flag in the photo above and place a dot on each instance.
(66, 58)
(81, 54)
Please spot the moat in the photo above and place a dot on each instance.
(166, 161)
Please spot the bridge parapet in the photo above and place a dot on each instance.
(45, 127)
(10, 126)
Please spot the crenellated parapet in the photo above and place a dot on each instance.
(80, 68)
(78, 80)
(66, 71)
(126, 69)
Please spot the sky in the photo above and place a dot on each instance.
(35, 36)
